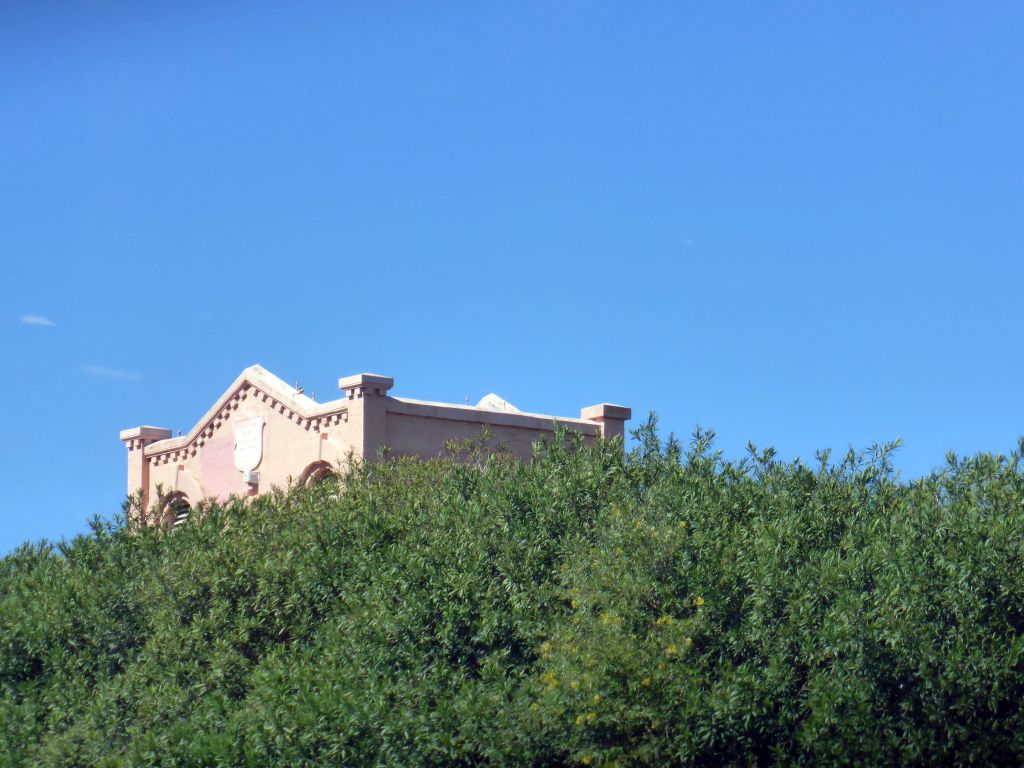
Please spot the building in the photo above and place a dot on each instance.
(262, 433)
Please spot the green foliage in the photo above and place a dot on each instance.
(589, 608)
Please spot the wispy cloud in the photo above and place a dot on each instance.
(37, 320)
(117, 374)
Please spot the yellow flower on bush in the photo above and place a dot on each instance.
(646, 682)
(597, 698)
(586, 759)
(545, 648)
(574, 604)
(699, 602)
(662, 620)
(671, 650)
(574, 685)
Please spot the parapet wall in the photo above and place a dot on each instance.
(418, 428)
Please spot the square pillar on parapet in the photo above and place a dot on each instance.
(611, 418)
(135, 440)
(365, 385)
(367, 394)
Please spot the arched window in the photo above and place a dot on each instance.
(316, 473)
(176, 510)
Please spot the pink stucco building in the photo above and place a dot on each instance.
(262, 433)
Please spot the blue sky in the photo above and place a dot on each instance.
(800, 224)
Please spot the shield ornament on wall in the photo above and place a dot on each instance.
(248, 443)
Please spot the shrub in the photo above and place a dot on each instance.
(662, 606)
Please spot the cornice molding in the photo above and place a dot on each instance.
(261, 385)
